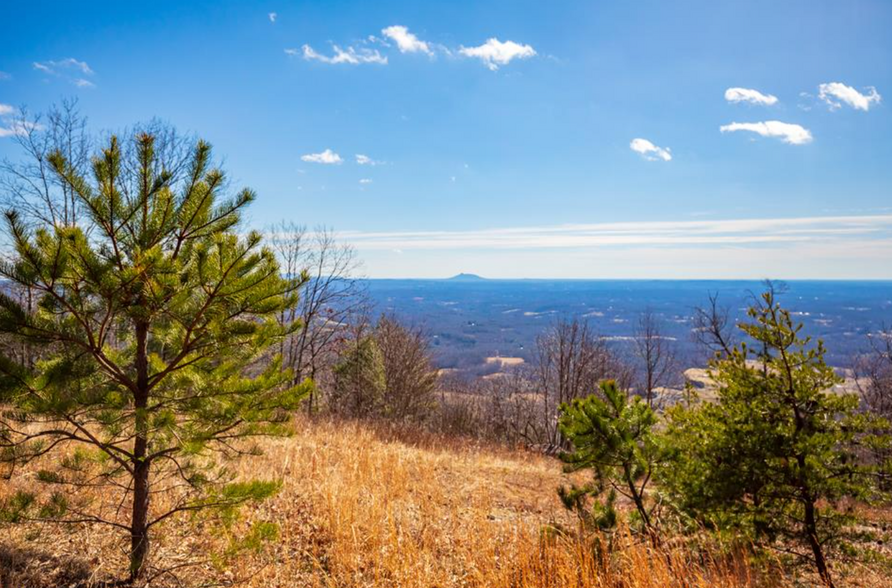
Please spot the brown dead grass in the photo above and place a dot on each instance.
(363, 507)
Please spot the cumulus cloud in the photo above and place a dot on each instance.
(406, 41)
(650, 151)
(787, 132)
(495, 53)
(749, 95)
(351, 55)
(6, 110)
(836, 93)
(272, 16)
(327, 157)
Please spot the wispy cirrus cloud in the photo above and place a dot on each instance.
(835, 94)
(327, 157)
(405, 41)
(837, 247)
(787, 132)
(495, 53)
(737, 95)
(272, 16)
(56, 67)
(350, 55)
(735, 232)
(5, 76)
(70, 69)
(650, 151)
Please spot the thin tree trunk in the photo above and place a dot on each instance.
(811, 528)
(636, 497)
(139, 532)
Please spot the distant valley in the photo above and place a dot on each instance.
(470, 319)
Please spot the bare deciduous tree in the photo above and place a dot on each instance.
(333, 296)
(410, 378)
(873, 375)
(29, 184)
(656, 356)
(713, 328)
(571, 360)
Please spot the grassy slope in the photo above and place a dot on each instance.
(362, 507)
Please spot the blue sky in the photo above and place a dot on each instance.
(502, 135)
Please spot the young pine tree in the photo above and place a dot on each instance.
(152, 321)
(360, 379)
(612, 435)
(776, 454)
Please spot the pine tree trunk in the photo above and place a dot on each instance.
(636, 496)
(139, 532)
(811, 529)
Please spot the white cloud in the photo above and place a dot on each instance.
(645, 233)
(69, 69)
(5, 76)
(650, 151)
(494, 53)
(327, 157)
(406, 41)
(351, 55)
(272, 16)
(56, 67)
(786, 132)
(835, 93)
(10, 127)
(749, 95)
(365, 181)
(366, 160)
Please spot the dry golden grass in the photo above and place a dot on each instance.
(361, 506)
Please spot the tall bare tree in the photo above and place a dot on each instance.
(571, 361)
(333, 295)
(656, 357)
(28, 184)
(713, 328)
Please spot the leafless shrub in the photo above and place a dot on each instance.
(410, 379)
(873, 376)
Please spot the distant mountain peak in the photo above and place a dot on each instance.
(466, 278)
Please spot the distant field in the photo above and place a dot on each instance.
(470, 321)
